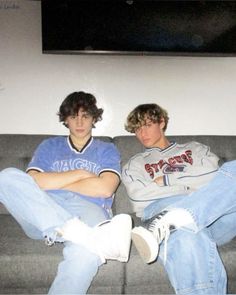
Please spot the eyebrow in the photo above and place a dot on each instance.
(82, 112)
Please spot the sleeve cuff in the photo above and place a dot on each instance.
(166, 180)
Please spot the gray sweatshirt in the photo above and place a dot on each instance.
(184, 167)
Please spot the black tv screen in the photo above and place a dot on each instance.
(139, 27)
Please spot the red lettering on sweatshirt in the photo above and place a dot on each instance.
(153, 168)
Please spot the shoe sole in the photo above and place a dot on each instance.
(145, 243)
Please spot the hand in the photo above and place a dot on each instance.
(159, 180)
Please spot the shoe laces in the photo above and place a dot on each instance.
(49, 241)
(161, 231)
(54, 238)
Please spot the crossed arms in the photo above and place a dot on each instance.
(80, 181)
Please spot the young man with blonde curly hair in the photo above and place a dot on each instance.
(186, 202)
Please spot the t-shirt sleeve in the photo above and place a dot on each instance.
(110, 160)
(41, 158)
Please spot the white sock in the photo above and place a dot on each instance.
(179, 218)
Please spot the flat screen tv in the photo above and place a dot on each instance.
(139, 27)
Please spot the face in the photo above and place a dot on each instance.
(80, 125)
(152, 135)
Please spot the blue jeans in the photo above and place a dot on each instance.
(39, 213)
(193, 262)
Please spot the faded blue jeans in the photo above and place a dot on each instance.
(39, 213)
(193, 262)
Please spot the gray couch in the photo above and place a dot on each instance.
(28, 266)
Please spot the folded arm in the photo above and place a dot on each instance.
(81, 181)
(103, 185)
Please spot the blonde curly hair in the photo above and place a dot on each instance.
(142, 112)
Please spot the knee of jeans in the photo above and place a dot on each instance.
(193, 263)
(189, 245)
(229, 166)
(77, 253)
(8, 173)
(11, 170)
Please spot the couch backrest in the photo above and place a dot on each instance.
(223, 146)
(16, 150)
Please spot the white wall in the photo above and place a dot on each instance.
(198, 92)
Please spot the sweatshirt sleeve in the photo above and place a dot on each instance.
(196, 173)
(139, 188)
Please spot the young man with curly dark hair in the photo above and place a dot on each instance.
(66, 196)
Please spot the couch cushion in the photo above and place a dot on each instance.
(142, 278)
(128, 146)
(228, 255)
(3, 209)
(28, 266)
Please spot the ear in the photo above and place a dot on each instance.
(162, 124)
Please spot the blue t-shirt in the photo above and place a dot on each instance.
(58, 154)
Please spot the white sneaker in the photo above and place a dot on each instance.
(145, 243)
(110, 240)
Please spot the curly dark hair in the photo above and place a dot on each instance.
(142, 112)
(79, 100)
